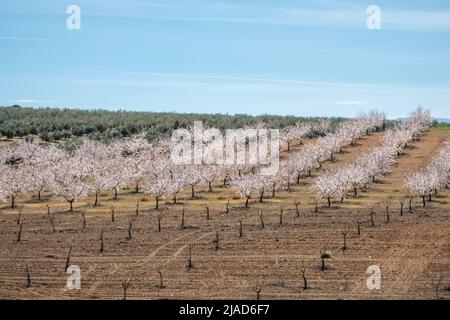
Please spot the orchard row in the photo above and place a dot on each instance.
(94, 167)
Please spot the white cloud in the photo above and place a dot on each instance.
(14, 38)
(27, 101)
(325, 14)
(32, 101)
(305, 13)
(243, 78)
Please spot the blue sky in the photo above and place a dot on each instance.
(310, 57)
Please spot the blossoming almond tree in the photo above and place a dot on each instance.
(138, 159)
(433, 178)
(69, 180)
(193, 177)
(210, 173)
(262, 184)
(3, 195)
(13, 181)
(157, 188)
(177, 184)
(419, 183)
(294, 133)
(441, 164)
(356, 176)
(301, 164)
(178, 178)
(328, 187)
(321, 127)
(39, 168)
(100, 179)
(246, 185)
(118, 174)
(285, 175)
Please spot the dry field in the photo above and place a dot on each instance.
(412, 249)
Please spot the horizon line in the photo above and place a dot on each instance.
(89, 109)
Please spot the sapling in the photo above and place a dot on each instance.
(159, 217)
(69, 253)
(402, 203)
(161, 283)
(371, 214)
(358, 225)
(28, 277)
(48, 210)
(436, 281)
(324, 254)
(240, 229)
(130, 226)
(19, 236)
(190, 263)
(113, 214)
(19, 211)
(137, 208)
(182, 218)
(261, 219)
(316, 203)
(280, 221)
(258, 289)
(387, 205)
(51, 220)
(216, 241)
(83, 225)
(207, 213)
(101, 241)
(344, 232)
(297, 210)
(303, 269)
(125, 285)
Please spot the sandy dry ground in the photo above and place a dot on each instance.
(411, 250)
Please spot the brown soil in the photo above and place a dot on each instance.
(410, 249)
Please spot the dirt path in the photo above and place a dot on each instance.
(415, 247)
(417, 156)
(183, 247)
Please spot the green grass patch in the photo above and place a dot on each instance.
(443, 127)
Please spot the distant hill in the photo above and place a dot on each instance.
(442, 120)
